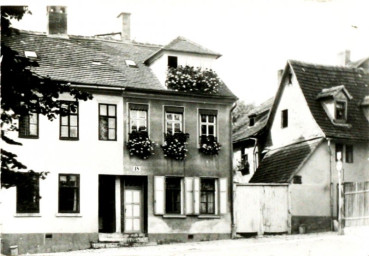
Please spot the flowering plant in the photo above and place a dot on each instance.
(209, 145)
(190, 79)
(140, 145)
(174, 145)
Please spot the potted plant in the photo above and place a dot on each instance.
(209, 145)
(174, 145)
(140, 145)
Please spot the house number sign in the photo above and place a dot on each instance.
(136, 169)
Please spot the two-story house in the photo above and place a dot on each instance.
(319, 113)
(102, 186)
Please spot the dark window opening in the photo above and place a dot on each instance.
(172, 61)
(28, 193)
(290, 78)
(173, 195)
(245, 163)
(284, 118)
(107, 122)
(69, 193)
(349, 154)
(340, 111)
(297, 179)
(252, 121)
(28, 126)
(207, 201)
(69, 121)
(339, 150)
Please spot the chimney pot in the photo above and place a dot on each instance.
(344, 58)
(126, 25)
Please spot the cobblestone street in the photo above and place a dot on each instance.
(352, 244)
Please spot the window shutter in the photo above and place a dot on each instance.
(172, 109)
(189, 197)
(134, 106)
(196, 195)
(211, 112)
(223, 195)
(159, 195)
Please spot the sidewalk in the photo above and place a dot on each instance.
(325, 244)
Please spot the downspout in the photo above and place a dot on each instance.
(233, 225)
(331, 181)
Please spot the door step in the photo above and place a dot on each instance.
(116, 240)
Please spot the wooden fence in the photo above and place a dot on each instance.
(262, 208)
(356, 204)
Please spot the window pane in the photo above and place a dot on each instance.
(73, 132)
(203, 130)
(169, 128)
(211, 119)
(211, 130)
(169, 116)
(33, 129)
(73, 108)
(73, 120)
(177, 117)
(141, 114)
(103, 110)
(111, 110)
(177, 127)
(111, 134)
(33, 118)
(103, 128)
(111, 122)
(203, 118)
(64, 120)
(64, 131)
(73, 180)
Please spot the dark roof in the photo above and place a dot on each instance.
(181, 44)
(315, 78)
(88, 60)
(279, 165)
(242, 130)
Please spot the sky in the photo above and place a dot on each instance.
(255, 37)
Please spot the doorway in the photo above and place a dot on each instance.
(107, 222)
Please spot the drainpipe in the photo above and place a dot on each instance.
(331, 181)
(233, 225)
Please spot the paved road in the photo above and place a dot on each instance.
(325, 244)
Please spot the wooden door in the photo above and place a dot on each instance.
(133, 209)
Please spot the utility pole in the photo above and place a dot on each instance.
(339, 168)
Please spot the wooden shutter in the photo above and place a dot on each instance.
(196, 195)
(159, 195)
(189, 197)
(223, 195)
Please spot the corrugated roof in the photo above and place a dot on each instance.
(279, 165)
(314, 78)
(92, 61)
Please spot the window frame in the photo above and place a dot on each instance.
(108, 116)
(36, 195)
(77, 188)
(168, 110)
(179, 190)
(69, 103)
(132, 107)
(207, 124)
(208, 192)
(284, 118)
(28, 122)
(344, 118)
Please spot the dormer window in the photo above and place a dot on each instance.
(340, 111)
(172, 61)
(251, 120)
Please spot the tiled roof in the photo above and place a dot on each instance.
(333, 91)
(314, 78)
(279, 165)
(242, 130)
(92, 61)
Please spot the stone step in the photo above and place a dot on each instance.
(119, 237)
(129, 242)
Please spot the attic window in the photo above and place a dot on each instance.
(131, 63)
(289, 78)
(251, 120)
(172, 61)
(340, 111)
(30, 54)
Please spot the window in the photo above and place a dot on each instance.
(339, 150)
(208, 123)
(28, 126)
(245, 162)
(69, 193)
(284, 118)
(172, 61)
(297, 179)
(69, 121)
(131, 63)
(173, 119)
(349, 154)
(107, 122)
(340, 111)
(173, 195)
(207, 197)
(251, 121)
(28, 193)
(138, 118)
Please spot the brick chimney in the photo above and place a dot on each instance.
(57, 20)
(344, 58)
(126, 25)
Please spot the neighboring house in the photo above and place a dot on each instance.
(319, 112)
(248, 140)
(95, 189)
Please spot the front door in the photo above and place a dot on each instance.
(133, 210)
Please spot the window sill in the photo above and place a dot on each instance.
(28, 137)
(208, 216)
(174, 216)
(341, 123)
(68, 215)
(27, 215)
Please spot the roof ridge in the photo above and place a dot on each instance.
(324, 66)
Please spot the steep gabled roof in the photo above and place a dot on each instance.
(279, 165)
(242, 130)
(312, 79)
(181, 44)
